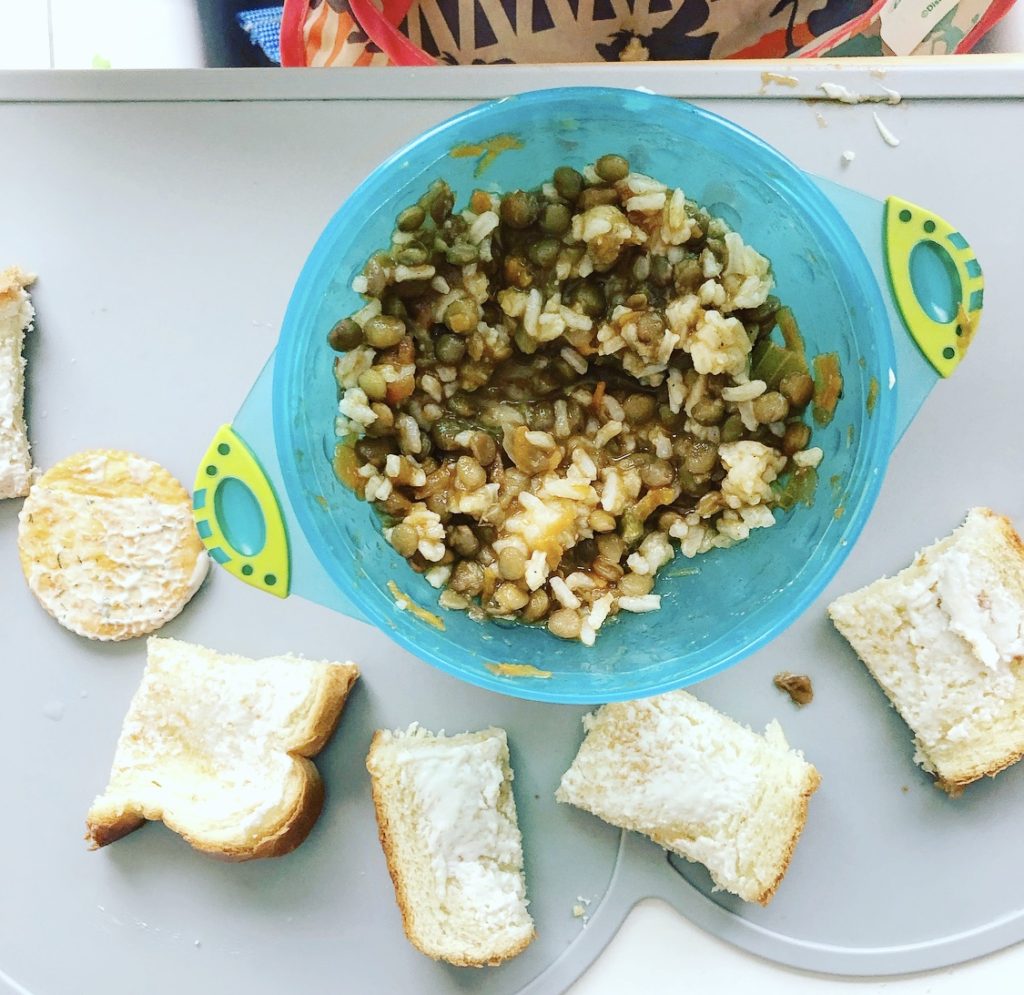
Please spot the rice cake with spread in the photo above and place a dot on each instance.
(108, 545)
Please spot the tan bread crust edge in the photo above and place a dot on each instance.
(295, 825)
(954, 787)
(401, 896)
(811, 784)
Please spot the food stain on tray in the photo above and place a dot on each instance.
(767, 79)
(517, 670)
(404, 603)
(487, 151)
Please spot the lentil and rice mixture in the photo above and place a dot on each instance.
(545, 391)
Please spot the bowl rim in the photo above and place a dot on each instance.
(878, 436)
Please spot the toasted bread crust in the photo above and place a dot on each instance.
(401, 894)
(290, 831)
(329, 708)
(103, 832)
(295, 824)
(812, 783)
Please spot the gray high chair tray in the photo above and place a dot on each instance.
(167, 216)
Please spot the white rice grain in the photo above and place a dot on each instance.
(565, 596)
(431, 386)
(613, 408)
(579, 581)
(606, 433)
(406, 273)
(744, 391)
(542, 440)
(676, 390)
(409, 434)
(746, 411)
(581, 458)
(599, 611)
(438, 576)
(808, 457)
(647, 203)
(432, 549)
(641, 603)
(587, 634)
(562, 428)
(364, 314)
(482, 226)
(536, 570)
(574, 359)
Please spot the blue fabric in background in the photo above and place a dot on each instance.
(263, 26)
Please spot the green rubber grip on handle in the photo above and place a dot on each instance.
(238, 516)
(936, 281)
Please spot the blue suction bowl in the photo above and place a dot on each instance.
(717, 608)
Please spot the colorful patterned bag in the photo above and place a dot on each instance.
(428, 32)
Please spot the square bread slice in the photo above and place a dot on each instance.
(217, 747)
(447, 822)
(698, 784)
(16, 313)
(945, 640)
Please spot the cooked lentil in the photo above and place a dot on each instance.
(545, 390)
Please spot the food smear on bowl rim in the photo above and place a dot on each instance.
(828, 387)
(487, 151)
(549, 393)
(404, 603)
(517, 670)
(872, 399)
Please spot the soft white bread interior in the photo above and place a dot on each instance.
(217, 747)
(945, 640)
(697, 783)
(16, 313)
(447, 822)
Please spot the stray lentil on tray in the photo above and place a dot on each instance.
(543, 390)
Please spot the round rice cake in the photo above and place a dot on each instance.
(108, 544)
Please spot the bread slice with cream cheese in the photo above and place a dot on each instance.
(218, 748)
(945, 640)
(697, 783)
(16, 314)
(447, 822)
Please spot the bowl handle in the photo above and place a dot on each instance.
(936, 281)
(238, 515)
